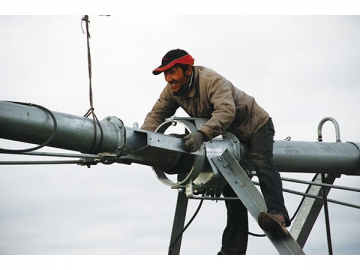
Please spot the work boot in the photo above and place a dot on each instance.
(274, 224)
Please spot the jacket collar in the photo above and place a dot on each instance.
(189, 87)
(195, 83)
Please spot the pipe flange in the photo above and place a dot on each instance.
(120, 128)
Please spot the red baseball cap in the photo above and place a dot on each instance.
(174, 57)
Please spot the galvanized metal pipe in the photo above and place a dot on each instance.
(317, 157)
(32, 125)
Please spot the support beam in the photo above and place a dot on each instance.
(309, 210)
(178, 225)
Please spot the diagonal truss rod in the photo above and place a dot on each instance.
(251, 198)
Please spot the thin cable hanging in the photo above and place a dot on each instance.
(91, 110)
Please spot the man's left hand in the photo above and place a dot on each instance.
(193, 141)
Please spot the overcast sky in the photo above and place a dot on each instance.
(299, 68)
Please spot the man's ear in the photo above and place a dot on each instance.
(189, 70)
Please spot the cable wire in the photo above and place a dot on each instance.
(184, 229)
(326, 213)
(10, 151)
(91, 110)
(240, 227)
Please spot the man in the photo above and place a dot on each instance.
(202, 92)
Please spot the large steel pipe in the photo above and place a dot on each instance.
(33, 125)
(317, 157)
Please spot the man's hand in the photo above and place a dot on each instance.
(193, 141)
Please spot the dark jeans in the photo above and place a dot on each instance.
(261, 155)
(235, 236)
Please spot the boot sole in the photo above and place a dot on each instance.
(271, 225)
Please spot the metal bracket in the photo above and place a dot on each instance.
(104, 158)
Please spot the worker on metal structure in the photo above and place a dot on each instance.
(204, 93)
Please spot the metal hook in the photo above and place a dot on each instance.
(337, 128)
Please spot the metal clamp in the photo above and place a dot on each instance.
(120, 127)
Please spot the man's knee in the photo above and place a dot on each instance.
(260, 161)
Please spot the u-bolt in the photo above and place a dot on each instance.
(337, 129)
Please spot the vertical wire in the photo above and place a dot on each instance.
(326, 212)
(91, 110)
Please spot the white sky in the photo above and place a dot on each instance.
(299, 68)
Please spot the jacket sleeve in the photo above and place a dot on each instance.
(164, 107)
(219, 93)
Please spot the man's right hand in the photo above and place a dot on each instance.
(193, 141)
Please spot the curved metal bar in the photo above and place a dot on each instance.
(198, 159)
(337, 128)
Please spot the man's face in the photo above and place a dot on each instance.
(176, 77)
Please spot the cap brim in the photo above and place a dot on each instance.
(186, 59)
(160, 69)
